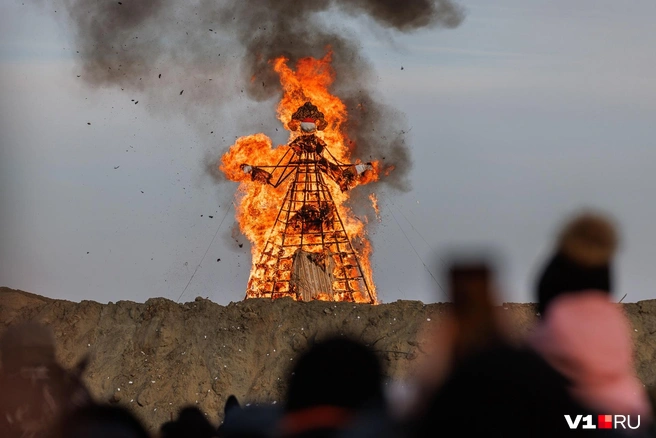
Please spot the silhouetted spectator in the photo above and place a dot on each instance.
(333, 384)
(255, 421)
(503, 391)
(190, 423)
(581, 260)
(583, 334)
(473, 325)
(478, 328)
(34, 389)
(100, 421)
(588, 340)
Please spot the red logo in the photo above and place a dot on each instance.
(605, 421)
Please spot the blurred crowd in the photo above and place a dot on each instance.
(573, 374)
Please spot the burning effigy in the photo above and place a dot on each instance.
(292, 199)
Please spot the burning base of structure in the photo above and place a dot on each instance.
(312, 276)
(293, 198)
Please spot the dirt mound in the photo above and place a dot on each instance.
(158, 356)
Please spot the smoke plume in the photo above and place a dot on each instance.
(211, 53)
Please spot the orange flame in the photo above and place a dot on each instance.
(258, 204)
(374, 203)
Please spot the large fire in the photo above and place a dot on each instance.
(292, 199)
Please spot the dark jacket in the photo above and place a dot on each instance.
(504, 391)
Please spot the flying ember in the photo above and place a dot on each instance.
(307, 243)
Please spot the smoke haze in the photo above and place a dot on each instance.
(196, 58)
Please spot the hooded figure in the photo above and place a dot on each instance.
(582, 333)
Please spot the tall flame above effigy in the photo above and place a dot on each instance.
(292, 199)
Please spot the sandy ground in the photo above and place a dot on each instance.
(158, 356)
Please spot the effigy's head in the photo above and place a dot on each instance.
(308, 119)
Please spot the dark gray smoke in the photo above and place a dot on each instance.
(217, 52)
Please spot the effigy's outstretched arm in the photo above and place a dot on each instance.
(345, 175)
(266, 174)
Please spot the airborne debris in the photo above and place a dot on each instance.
(181, 92)
(211, 217)
(116, 167)
(160, 76)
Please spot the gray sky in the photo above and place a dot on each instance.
(524, 113)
